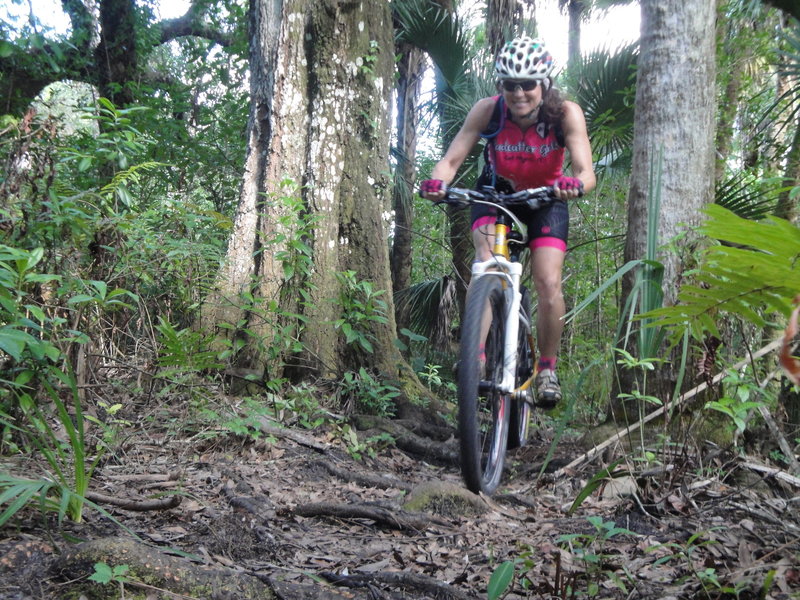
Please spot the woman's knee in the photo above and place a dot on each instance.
(548, 286)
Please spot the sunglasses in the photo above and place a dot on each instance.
(510, 85)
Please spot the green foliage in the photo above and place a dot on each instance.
(367, 393)
(295, 229)
(750, 274)
(69, 462)
(746, 196)
(104, 574)
(597, 479)
(361, 308)
(738, 401)
(706, 576)
(590, 549)
(357, 448)
(434, 380)
(500, 580)
(605, 88)
(25, 328)
(186, 349)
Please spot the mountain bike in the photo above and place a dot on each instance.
(496, 363)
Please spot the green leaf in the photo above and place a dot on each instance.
(500, 580)
(81, 298)
(594, 483)
(13, 341)
(102, 573)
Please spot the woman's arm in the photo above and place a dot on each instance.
(477, 120)
(576, 140)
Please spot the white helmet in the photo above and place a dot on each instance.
(524, 58)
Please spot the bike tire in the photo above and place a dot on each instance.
(483, 412)
(520, 409)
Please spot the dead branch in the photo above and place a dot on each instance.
(135, 505)
(668, 406)
(404, 579)
(395, 519)
(147, 477)
(773, 472)
(269, 427)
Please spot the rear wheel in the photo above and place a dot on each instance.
(483, 412)
(522, 404)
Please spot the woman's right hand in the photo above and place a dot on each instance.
(432, 189)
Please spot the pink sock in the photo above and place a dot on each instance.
(548, 362)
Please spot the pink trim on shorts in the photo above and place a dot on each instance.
(548, 242)
(481, 221)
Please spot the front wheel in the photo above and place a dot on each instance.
(483, 412)
(522, 403)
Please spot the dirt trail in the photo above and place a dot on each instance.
(297, 510)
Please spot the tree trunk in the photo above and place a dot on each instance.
(576, 9)
(738, 54)
(409, 69)
(787, 207)
(115, 55)
(673, 136)
(502, 17)
(319, 117)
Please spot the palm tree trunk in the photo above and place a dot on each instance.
(408, 87)
(680, 172)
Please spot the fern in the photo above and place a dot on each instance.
(751, 274)
(119, 184)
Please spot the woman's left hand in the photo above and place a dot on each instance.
(567, 188)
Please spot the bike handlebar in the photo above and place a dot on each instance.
(533, 198)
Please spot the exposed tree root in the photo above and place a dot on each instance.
(403, 579)
(409, 442)
(135, 505)
(272, 428)
(176, 577)
(392, 518)
(154, 568)
(364, 479)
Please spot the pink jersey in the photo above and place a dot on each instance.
(528, 160)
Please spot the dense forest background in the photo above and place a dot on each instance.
(218, 211)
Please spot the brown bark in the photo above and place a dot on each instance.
(502, 16)
(319, 118)
(408, 86)
(673, 157)
(166, 572)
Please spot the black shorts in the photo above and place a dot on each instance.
(547, 226)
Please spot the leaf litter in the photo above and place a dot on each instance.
(669, 537)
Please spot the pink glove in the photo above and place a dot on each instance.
(569, 183)
(431, 186)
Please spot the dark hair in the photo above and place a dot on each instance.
(552, 110)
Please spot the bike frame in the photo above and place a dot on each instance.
(501, 265)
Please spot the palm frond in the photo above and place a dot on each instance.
(743, 196)
(431, 308)
(438, 32)
(751, 277)
(604, 87)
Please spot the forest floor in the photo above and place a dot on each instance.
(297, 512)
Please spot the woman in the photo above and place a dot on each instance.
(528, 127)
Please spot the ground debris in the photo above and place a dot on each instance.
(281, 513)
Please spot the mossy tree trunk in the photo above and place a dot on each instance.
(321, 78)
